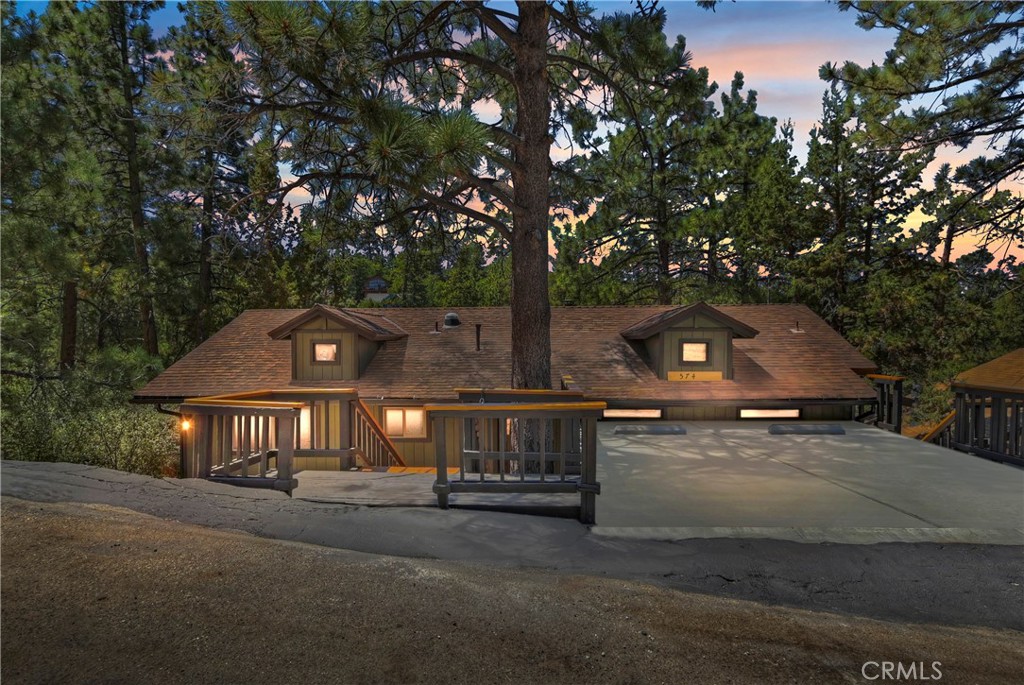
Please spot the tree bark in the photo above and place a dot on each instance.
(664, 244)
(69, 326)
(147, 319)
(205, 267)
(947, 245)
(664, 270)
(531, 309)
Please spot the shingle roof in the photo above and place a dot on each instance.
(777, 364)
(1003, 374)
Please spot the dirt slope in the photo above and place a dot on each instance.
(95, 594)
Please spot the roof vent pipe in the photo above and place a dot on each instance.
(451, 320)
(478, 327)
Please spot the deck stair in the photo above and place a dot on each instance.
(372, 447)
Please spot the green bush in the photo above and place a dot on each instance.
(79, 422)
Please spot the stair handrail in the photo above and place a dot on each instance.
(378, 432)
(942, 425)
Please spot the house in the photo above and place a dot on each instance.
(988, 419)
(361, 372)
(376, 289)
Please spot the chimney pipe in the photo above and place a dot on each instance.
(478, 327)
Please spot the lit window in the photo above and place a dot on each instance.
(325, 353)
(632, 413)
(769, 413)
(694, 352)
(400, 422)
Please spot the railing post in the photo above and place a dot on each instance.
(588, 472)
(204, 460)
(285, 449)
(441, 487)
(898, 408)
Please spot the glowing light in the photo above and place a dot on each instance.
(769, 413)
(186, 424)
(632, 413)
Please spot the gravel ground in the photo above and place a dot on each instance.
(97, 594)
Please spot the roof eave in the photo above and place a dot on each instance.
(284, 331)
(640, 331)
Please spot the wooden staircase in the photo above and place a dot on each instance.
(373, 448)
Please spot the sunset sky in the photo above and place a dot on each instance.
(779, 47)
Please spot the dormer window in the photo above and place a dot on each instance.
(330, 344)
(692, 343)
(326, 352)
(693, 352)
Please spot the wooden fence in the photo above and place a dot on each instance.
(544, 448)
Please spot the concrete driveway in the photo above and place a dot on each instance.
(733, 479)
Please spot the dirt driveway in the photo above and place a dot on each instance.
(97, 594)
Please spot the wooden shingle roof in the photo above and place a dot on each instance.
(776, 365)
(1003, 374)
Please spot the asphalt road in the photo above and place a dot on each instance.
(957, 584)
(94, 594)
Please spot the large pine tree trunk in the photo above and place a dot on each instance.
(205, 267)
(147, 318)
(664, 270)
(69, 326)
(531, 310)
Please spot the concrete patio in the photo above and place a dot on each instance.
(734, 479)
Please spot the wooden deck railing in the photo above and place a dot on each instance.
(942, 432)
(373, 447)
(990, 424)
(889, 409)
(242, 442)
(542, 448)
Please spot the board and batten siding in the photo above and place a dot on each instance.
(420, 451)
(696, 329)
(329, 425)
(810, 412)
(303, 367)
(700, 413)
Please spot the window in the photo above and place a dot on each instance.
(769, 413)
(632, 413)
(693, 352)
(325, 352)
(403, 422)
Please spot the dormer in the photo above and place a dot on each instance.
(332, 344)
(692, 343)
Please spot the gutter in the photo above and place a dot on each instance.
(181, 438)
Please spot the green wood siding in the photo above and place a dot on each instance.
(367, 348)
(719, 349)
(420, 452)
(700, 413)
(303, 366)
(828, 412)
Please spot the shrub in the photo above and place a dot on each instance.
(76, 421)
